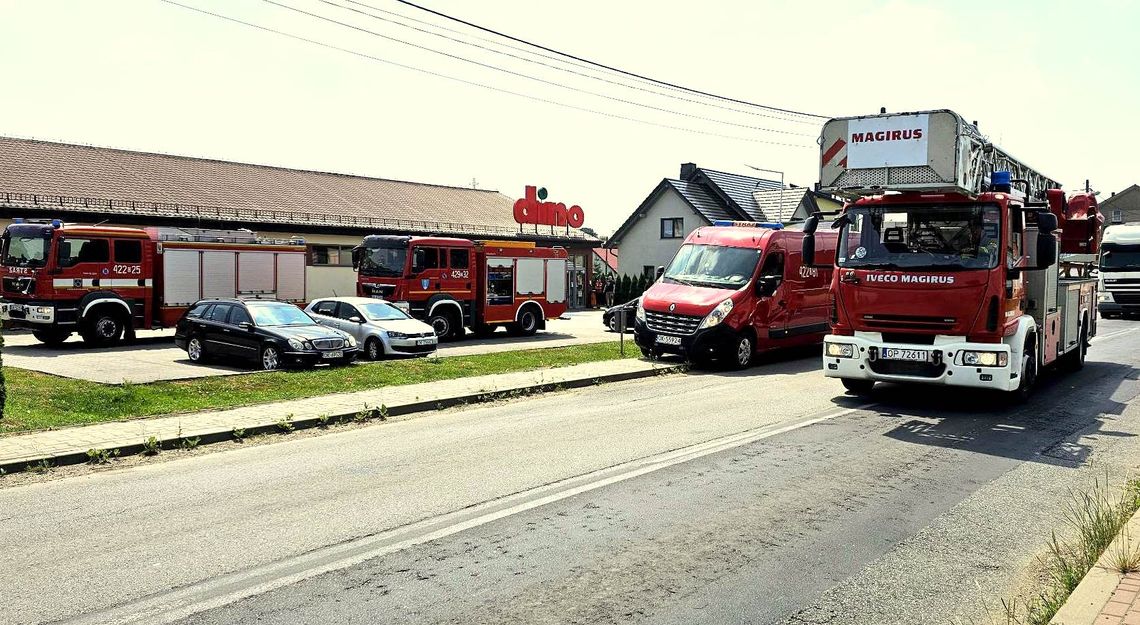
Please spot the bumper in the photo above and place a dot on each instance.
(709, 343)
(1112, 307)
(410, 346)
(28, 315)
(944, 366)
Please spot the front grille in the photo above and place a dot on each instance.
(17, 285)
(1122, 281)
(1125, 298)
(909, 322)
(903, 367)
(670, 323)
(910, 339)
(328, 343)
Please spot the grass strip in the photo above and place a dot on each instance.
(38, 401)
(1096, 517)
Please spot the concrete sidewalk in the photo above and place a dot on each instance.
(70, 445)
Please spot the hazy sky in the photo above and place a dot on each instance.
(1055, 83)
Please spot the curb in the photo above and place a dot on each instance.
(1096, 589)
(207, 437)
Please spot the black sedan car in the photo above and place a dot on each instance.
(272, 334)
(611, 319)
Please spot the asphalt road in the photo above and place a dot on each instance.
(759, 497)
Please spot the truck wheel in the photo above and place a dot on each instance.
(443, 324)
(1075, 360)
(742, 352)
(527, 324)
(196, 350)
(270, 358)
(102, 328)
(857, 387)
(1028, 375)
(374, 349)
(51, 337)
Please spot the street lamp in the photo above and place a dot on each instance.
(773, 171)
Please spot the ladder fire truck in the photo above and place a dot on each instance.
(106, 282)
(956, 264)
(454, 284)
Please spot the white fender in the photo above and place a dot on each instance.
(104, 300)
(1025, 326)
(446, 302)
(541, 312)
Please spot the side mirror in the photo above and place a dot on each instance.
(355, 319)
(809, 250)
(1046, 248)
(1046, 222)
(810, 224)
(419, 260)
(357, 257)
(766, 286)
(245, 325)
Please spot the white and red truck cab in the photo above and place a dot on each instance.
(735, 289)
(956, 263)
(453, 283)
(106, 282)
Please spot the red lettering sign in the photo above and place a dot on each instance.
(529, 210)
(888, 135)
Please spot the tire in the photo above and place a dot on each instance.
(527, 324)
(270, 358)
(1075, 360)
(374, 349)
(858, 387)
(51, 338)
(102, 328)
(648, 354)
(196, 350)
(613, 324)
(742, 352)
(444, 325)
(1028, 377)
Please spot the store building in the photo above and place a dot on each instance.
(675, 207)
(331, 212)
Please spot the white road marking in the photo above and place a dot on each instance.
(1114, 334)
(209, 594)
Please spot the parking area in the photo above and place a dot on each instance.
(154, 357)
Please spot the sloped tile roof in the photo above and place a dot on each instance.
(739, 189)
(700, 198)
(168, 185)
(769, 203)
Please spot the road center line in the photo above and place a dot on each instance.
(169, 606)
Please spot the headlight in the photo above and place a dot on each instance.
(839, 350)
(717, 315)
(640, 314)
(296, 344)
(1105, 296)
(348, 338)
(396, 335)
(43, 310)
(984, 359)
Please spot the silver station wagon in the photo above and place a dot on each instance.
(380, 328)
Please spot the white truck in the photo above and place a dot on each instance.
(1119, 288)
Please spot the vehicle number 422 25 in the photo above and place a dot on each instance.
(127, 269)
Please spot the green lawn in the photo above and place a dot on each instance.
(37, 401)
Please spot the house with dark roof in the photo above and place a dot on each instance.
(698, 197)
(332, 212)
(1122, 207)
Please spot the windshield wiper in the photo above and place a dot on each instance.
(676, 279)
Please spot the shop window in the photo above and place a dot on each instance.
(75, 251)
(500, 285)
(331, 256)
(460, 259)
(672, 228)
(128, 251)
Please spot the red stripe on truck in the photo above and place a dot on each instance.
(833, 150)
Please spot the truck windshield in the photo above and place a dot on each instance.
(1120, 257)
(713, 265)
(946, 237)
(383, 261)
(24, 249)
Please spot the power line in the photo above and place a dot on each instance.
(602, 65)
(571, 63)
(529, 76)
(473, 83)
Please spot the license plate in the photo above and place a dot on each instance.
(668, 340)
(915, 355)
(424, 342)
(336, 354)
(15, 307)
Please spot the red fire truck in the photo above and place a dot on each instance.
(957, 264)
(105, 282)
(457, 283)
(734, 289)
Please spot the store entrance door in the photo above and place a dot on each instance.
(576, 285)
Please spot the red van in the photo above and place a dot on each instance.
(735, 289)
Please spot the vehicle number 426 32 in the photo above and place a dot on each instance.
(128, 269)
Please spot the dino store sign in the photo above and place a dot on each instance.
(531, 209)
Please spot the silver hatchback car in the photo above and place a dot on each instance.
(380, 328)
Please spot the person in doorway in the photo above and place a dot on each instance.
(609, 290)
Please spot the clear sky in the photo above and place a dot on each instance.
(1055, 83)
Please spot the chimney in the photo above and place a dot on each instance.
(688, 170)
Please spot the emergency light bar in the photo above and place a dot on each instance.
(749, 224)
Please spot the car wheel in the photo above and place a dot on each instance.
(51, 337)
(648, 353)
(270, 358)
(858, 387)
(374, 349)
(742, 353)
(613, 324)
(196, 350)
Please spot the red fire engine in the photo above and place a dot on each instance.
(105, 283)
(457, 283)
(956, 264)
